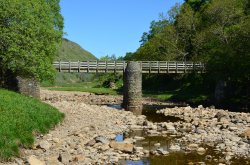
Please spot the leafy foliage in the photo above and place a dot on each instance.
(215, 32)
(30, 31)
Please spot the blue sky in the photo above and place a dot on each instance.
(106, 27)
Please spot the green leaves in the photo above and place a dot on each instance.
(29, 33)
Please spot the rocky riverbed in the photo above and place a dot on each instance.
(88, 134)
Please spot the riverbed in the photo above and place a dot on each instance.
(99, 134)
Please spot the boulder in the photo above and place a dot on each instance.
(79, 158)
(91, 143)
(193, 147)
(34, 161)
(45, 145)
(245, 134)
(221, 117)
(121, 146)
(201, 151)
(53, 160)
(65, 158)
(162, 152)
(175, 148)
(102, 139)
(157, 144)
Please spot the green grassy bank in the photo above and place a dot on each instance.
(21, 118)
(191, 94)
(91, 87)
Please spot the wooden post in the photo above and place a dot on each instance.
(159, 68)
(87, 66)
(106, 67)
(149, 66)
(115, 67)
(60, 66)
(97, 63)
(79, 67)
(167, 67)
(69, 66)
(176, 67)
(201, 67)
(184, 63)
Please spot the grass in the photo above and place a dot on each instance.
(21, 119)
(188, 93)
(84, 87)
(99, 91)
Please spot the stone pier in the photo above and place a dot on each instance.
(28, 86)
(132, 82)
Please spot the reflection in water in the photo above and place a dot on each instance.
(174, 158)
(141, 162)
(152, 116)
(115, 106)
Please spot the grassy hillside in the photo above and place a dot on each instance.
(72, 51)
(21, 118)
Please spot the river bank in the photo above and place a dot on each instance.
(90, 133)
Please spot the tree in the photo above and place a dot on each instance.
(156, 27)
(186, 27)
(30, 31)
(196, 5)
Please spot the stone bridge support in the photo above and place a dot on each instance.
(132, 83)
(28, 86)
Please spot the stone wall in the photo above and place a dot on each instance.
(28, 87)
(132, 82)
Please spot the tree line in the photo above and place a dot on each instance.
(216, 32)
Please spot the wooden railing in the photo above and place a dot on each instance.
(120, 66)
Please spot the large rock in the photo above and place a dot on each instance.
(246, 134)
(65, 158)
(121, 146)
(175, 148)
(45, 145)
(102, 139)
(34, 161)
(221, 116)
(162, 151)
(193, 146)
(53, 160)
(201, 151)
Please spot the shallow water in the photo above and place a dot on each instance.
(150, 113)
(173, 158)
(177, 158)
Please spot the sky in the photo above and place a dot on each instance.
(110, 27)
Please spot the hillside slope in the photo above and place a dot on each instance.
(72, 51)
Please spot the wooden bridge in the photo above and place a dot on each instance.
(164, 67)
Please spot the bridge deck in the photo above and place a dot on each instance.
(120, 66)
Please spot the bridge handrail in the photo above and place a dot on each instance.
(146, 66)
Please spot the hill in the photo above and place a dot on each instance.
(72, 51)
